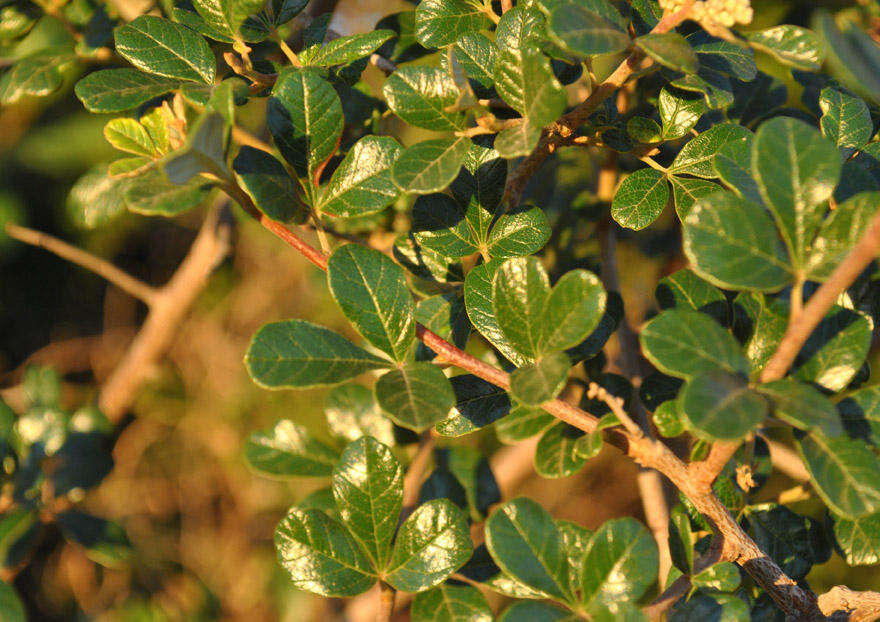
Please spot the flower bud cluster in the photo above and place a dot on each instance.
(713, 13)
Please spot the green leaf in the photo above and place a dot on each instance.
(723, 577)
(679, 114)
(714, 606)
(305, 118)
(681, 541)
(423, 96)
(416, 395)
(794, 542)
(451, 603)
(524, 79)
(445, 315)
(267, 182)
(790, 45)
(686, 191)
(835, 350)
(859, 539)
(620, 564)
(153, 195)
(321, 556)
(840, 232)
(684, 343)
(697, 157)
(574, 308)
(440, 223)
(477, 404)
(35, 75)
(352, 412)
(96, 198)
(298, 354)
(473, 471)
(344, 50)
(519, 28)
(518, 232)
(860, 412)
(644, 130)
(844, 472)
(845, 120)
(116, 90)
(478, 302)
(523, 422)
(732, 243)
(476, 53)
(130, 136)
(723, 56)
(520, 291)
(556, 454)
(11, 607)
(432, 543)
(671, 50)
(733, 163)
(575, 540)
(289, 450)
(362, 182)
(640, 199)
(204, 151)
(518, 140)
(796, 169)
(541, 381)
(721, 406)
(802, 406)
(161, 47)
(368, 488)
(429, 166)
(440, 22)
(227, 16)
(529, 611)
(685, 290)
(526, 543)
(371, 290)
(585, 33)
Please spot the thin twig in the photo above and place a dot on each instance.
(821, 302)
(386, 602)
(101, 267)
(415, 473)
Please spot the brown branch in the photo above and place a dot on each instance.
(557, 133)
(738, 546)
(169, 307)
(386, 602)
(706, 471)
(83, 259)
(786, 460)
(821, 301)
(842, 603)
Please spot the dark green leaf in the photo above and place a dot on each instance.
(298, 354)
(705, 606)
(860, 539)
(573, 310)
(723, 577)
(344, 50)
(681, 541)
(732, 243)
(518, 233)
(529, 611)
(451, 603)
(289, 450)
(227, 16)
(321, 556)
(11, 607)
(640, 199)
(104, 542)
(525, 542)
(432, 543)
(836, 350)
(368, 488)
(153, 195)
(477, 404)
(524, 79)
(161, 47)
(845, 119)
(791, 45)
(719, 405)
(439, 223)
(671, 50)
(844, 472)
(726, 57)
(794, 542)
(422, 96)
(802, 406)
(698, 156)
(362, 183)
(115, 90)
(733, 163)
(429, 166)
(478, 301)
(678, 113)
(522, 423)
(267, 182)
(584, 32)
(305, 118)
(685, 290)
(686, 191)
(684, 343)
(416, 395)
(372, 293)
(520, 292)
(557, 453)
(476, 53)
(796, 169)
(35, 75)
(520, 27)
(541, 381)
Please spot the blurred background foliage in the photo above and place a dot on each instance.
(199, 522)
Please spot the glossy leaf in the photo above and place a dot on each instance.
(352, 412)
(344, 50)
(227, 16)
(429, 166)
(860, 539)
(416, 395)
(299, 354)
(520, 291)
(116, 90)
(640, 199)
(441, 22)
(840, 232)
(477, 404)
(321, 556)
(523, 422)
(289, 450)
(671, 50)
(362, 182)
(802, 406)
(524, 79)
(422, 96)
(432, 544)
(835, 350)
(371, 290)
(478, 302)
(557, 453)
(796, 169)
(721, 406)
(697, 157)
(305, 119)
(164, 48)
(844, 472)
(685, 290)
(583, 32)
(732, 243)
(684, 343)
(541, 381)
(679, 114)
(791, 45)
(368, 489)
(518, 233)
(845, 119)
(267, 182)
(451, 603)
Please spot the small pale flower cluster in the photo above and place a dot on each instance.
(725, 13)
